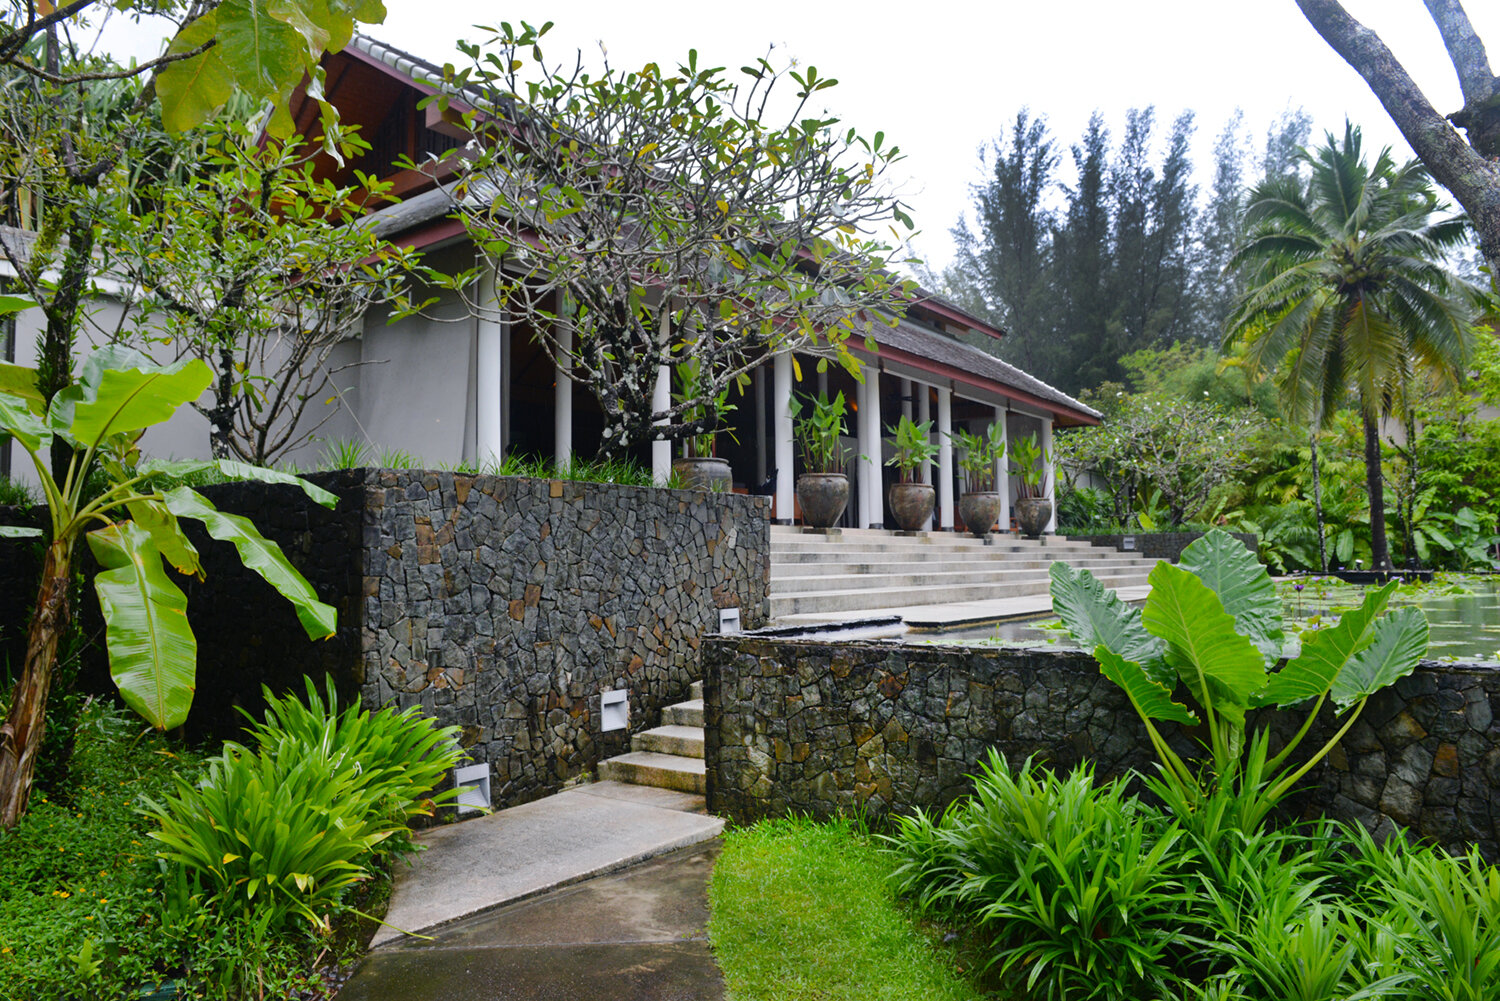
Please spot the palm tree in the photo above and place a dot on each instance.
(1349, 292)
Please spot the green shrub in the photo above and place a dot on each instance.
(1077, 885)
(263, 851)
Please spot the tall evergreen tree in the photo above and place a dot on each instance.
(1008, 262)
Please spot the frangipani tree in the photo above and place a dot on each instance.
(133, 529)
(1212, 625)
(645, 219)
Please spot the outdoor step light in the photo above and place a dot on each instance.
(1127, 543)
(473, 784)
(614, 710)
(729, 620)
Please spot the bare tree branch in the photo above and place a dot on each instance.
(1469, 172)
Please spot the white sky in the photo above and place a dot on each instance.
(941, 79)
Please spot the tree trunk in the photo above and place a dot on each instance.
(1380, 551)
(21, 734)
(1312, 439)
(1465, 169)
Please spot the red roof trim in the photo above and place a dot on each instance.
(970, 379)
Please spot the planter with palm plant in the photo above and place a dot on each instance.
(979, 504)
(699, 467)
(911, 500)
(1029, 461)
(823, 487)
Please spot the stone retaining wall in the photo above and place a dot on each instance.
(822, 728)
(499, 604)
(1161, 545)
(508, 605)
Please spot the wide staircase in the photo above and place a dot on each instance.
(816, 575)
(669, 756)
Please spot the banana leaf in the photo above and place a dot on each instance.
(259, 554)
(153, 656)
(122, 390)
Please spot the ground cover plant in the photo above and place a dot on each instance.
(802, 911)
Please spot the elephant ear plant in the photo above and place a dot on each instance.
(1213, 626)
(132, 527)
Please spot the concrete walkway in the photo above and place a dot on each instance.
(953, 614)
(478, 865)
(636, 935)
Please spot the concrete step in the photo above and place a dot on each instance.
(689, 713)
(649, 768)
(922, 541)
(854, 598)
(782, 572)
(685, 741)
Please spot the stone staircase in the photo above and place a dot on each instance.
(669, 756)
(856, 570)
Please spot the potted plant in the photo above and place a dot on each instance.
(823, 488)
(979, 504)
(911, 501)
(1029, 461)
(698, 467)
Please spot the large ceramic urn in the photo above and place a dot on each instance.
(1033, 513)
(979, 510)
(912, 504)
(706, 473)
(822, 497)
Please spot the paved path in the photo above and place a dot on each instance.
(633, 936)
(477, 865)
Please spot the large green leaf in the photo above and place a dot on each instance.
(1151, 700)
(1400, 641)
(18, 380)
(231, 470)
(17, 420)
(264, 48)
(152, 653)
(1244, 588)
(166, 533)
(191, 90)
(19, 532)
(259, 554)
(122, 390)
(1325, 652)
(245, 471)
(1220, 666)
(1095, 615)
(15, 303)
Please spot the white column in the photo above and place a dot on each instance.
(924, 414)
(786, 473)
(758, 376)
(489, 443)
(945, 458)
(661, 450)
(875, 511)
(906, 410)
(860, 499)
(823, 382)
(1002, 471)
(1049, 462)
(562, 401)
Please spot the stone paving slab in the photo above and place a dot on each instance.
(512, 854)
(955, 613)
(638, 935)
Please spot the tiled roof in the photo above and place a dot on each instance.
(914, 340)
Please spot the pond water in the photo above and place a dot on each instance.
(1463, 613)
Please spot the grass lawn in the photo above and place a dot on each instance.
(804, 910)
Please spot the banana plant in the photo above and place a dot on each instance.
(133, 528)
(1212, 627)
